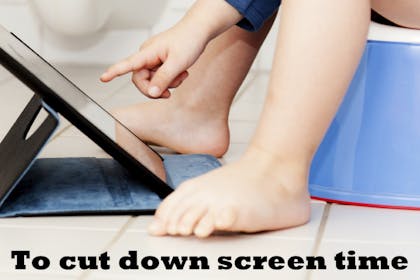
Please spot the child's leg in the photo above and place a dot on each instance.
(402, 12)
(195, 118)
(318, 49)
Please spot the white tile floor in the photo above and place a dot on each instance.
(333, 228)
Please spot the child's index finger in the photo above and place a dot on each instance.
(130, 64)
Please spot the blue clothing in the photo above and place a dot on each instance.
(255, 12)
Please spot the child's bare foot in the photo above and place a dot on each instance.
(254, 194)
(173, 124)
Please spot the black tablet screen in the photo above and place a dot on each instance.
(82, 104)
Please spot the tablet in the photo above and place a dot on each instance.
(64, 97)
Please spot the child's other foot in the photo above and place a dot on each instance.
(172, 124)
(251, 195)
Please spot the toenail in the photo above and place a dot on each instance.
(184, 230)
(225, 220)
(172, 230)
(221, 223)
(200, 232)
(155, 227)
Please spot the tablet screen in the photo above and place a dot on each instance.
(82, 103)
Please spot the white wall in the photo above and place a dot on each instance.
(18, 17)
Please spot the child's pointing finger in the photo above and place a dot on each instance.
(130, 64)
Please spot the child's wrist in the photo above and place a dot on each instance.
(195, 29)
(210, 18)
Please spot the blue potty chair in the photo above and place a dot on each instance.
(371, 153)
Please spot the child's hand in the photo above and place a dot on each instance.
(162, 61)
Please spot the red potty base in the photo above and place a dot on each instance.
(366, 204)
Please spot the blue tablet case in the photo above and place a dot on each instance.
(81, 186)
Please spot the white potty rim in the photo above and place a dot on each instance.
(387, 33)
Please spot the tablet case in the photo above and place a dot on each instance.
(76, 186)
(88, 186)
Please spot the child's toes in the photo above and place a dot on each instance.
(205, 226)
(190, 219)
(226, 219)
(175, 217)
(166, 207)
(169, 205)
(157, 228)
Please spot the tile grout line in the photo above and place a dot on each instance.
(58, 134)
(322, 226)
(319, 235)
(113, 241)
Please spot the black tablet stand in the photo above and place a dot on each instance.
(17, 151)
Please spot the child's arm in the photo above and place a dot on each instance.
(163, 60)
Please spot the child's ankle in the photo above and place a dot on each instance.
(278, 165)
